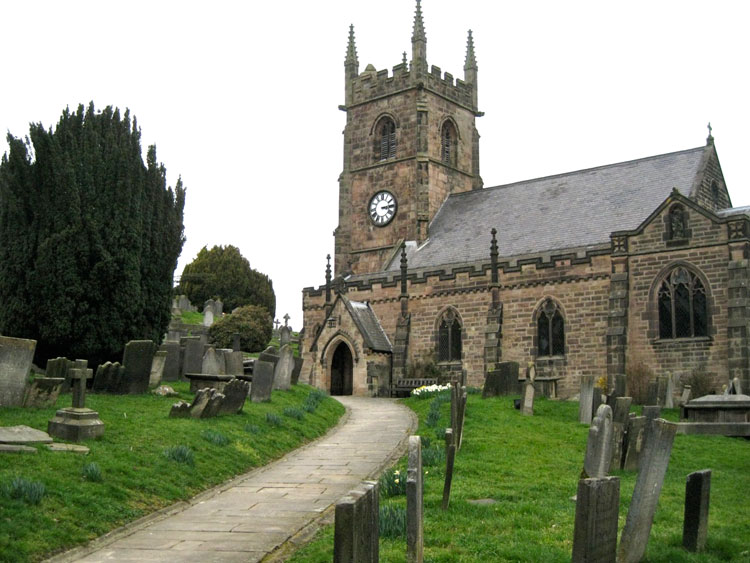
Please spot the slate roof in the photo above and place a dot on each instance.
(369, 325)
(576, 210)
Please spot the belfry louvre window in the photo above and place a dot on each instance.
(448, 144)
(683, 311)
(449, 338)
(550, 330)
(387, 139)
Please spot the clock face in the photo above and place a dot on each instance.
(382, 208)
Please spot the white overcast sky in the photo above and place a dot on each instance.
(241, 98)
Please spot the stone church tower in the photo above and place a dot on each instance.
(410, 141)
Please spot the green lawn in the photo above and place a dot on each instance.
(136, 475)
(530, 466)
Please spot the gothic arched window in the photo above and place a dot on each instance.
(683, 311)
(550, 330)
(449, 337)
(677, 223)
(448, 143)
(385, 147)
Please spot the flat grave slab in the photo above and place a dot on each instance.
(23, 435)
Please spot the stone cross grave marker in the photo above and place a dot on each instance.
(450, 458)
(695, 525)
(654, 463)
(79, 375)
(595, 532)
(599, 444)
(77, 423)
(414, 503)
(586, 399)
(356, 525)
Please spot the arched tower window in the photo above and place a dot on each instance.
(448, 143)
(683, 310)
(385, 147)
(550, 330)
(677, 223)
(449, 337)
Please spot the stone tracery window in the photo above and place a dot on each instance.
(550, 330)
(448, 143)
(386, 139)
(449, 337)
(683, 310)
(677, 223)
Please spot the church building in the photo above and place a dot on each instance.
(582, 273)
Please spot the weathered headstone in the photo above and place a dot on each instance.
(211, 364)
(172, 361)
(207, 381)
(735, 387)
(621, 384)
(654, 462)
(653, 392)
(356, 525)
(697, 496)
(662, 382)
(586, 399)
(110, 378)
(218, 308)
(634, 435)
(208, 313)
(58, 367)
(669, 392)
(16, 355)
(180, 409)
(234, 362)
(270, 354)
(461, 417)
(260, 390)
(595, 532)
(685, 394)
(503, 380)
(527, 404)
(599, 444)
(285, 335)
(282, 375)
(298, 362)
(450, 459)
(137, 360)
(235, 392)
(414, 503)
(619, 426)
(43, 392)
(77, 423)
(596, 401)
(157, 368)
(206, 404)
(236, 342)
(193, 359)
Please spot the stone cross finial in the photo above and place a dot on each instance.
(710, 138)
(276, 324)
(286, 319)
(79, 377)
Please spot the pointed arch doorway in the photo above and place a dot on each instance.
(342, 366)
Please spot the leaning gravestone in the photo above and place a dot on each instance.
(172, 361)
(16, 355)
(695, 525)
(270, 354)
(586, 399)
(193, 359)
(282, 374)
(260, 390)
(137, 359)
(654, 462)
(206, 403)
(235, 392)
(297, 370)
(599, 444)
(619, 425)
(633, 445)
(157, 368)
(43, 392)
(450, 459)
(595, 532)
(414, 503)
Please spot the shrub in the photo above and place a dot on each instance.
(392, 483)
(700, 384)
(30, 492)
(180, 454)
(274, 419)
(637, 375)
(392, 521)
(253, 428)
(92, 472)
(215, 437)
(293, 412)
(252, 323)
(309, 407)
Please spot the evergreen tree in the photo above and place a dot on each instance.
(89, 237)
(223, 273)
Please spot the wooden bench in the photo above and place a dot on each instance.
(403, 387)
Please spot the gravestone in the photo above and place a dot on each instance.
(157, 368)
(43, 392)
(236, 346)
(503, 380)
(298, 362)
(211, 364)
(459, 435)
(586, 399)
(685, 394)
(282, 374)
(207, 381)
(599, 444)
(654, 462)
(697, 496)
(234, 362)
(414, 503)
(184, 303)
(735, 387)
(218, 308)
(662, 382)
(206, 403)
(653, 393)
(260, 390)
(527, 404)
(651, 412)
(77, 423)
(58, 367)
(172, 361)
(450, 459)
(180, 409)
(16, 355)
(596, 401)
(621, 384)
(110, 378)
(285, 335)
(193, 359)
(235, 392)
(136, 360)
(619, 426)
(208, 313)
(595, 532)
(356, 525)
(634, 436)
(669, 392)
(23, 434)
(270, 354)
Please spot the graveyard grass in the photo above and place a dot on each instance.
(530, 465)
(136, 476)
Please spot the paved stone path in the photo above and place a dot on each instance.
(260, 512)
